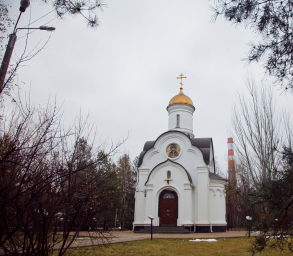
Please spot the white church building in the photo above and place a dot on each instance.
(177, 184)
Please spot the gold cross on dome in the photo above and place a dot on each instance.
(181, 77)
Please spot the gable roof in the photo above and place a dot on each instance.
(203, 144)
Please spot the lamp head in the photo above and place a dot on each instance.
(248, 218)
(58, 214)
(24, 4)
(47, 28)
(151, 217)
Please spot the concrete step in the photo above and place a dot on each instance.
(164, 230)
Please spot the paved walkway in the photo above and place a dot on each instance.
(127, 236)
(83, 239)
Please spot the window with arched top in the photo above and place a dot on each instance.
(168, 174)
(178, 121)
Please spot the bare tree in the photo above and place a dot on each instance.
(259, 130)
(262, 133)
(48, 182)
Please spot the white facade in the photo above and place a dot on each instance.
(200, 192)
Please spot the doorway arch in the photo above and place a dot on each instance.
(168, 208)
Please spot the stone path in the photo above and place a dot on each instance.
(127, 236)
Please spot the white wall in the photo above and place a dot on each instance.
(217, 202)
(186, 118)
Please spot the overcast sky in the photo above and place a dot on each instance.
(124, 72)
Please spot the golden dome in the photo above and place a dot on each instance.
(181, 98)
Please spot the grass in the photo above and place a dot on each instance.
(162, 247)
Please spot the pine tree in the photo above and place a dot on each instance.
(127, 182)
(109, 198)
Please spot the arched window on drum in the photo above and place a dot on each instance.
(178, 121)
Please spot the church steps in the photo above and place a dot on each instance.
(164, 230)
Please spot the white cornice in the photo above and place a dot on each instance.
(202, 169)
(180, 107)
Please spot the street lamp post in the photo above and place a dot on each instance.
(151, 217)
(6, 59)
(12, 39)
(115, 220)
(249, 226)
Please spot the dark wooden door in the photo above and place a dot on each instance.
(168, 209)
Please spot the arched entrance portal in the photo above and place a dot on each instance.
(168, 208)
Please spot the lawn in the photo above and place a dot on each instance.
(160, 247)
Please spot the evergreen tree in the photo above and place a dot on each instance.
(274, 202)
(272, 20)
(127, 181)
(86, 9)
(109, 200)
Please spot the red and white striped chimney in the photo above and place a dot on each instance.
(231, 162)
